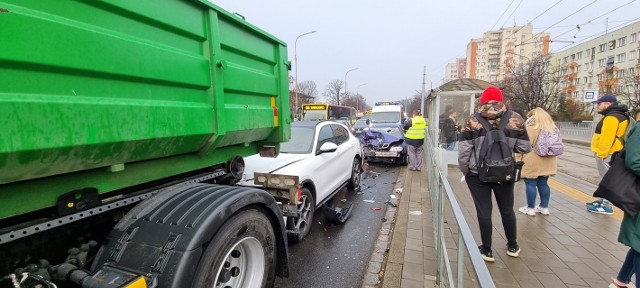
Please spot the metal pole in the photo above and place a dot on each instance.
(345, 84)
(295, 59)
(358, 96)
(424, 75)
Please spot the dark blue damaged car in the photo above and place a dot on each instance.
(384, 144)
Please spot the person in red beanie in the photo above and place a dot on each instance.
(492, 108)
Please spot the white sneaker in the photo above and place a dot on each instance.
(527, 210)
(543, 211)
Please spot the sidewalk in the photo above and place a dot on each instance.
(559, 250)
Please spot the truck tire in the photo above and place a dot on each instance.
(354, 181)
(299, 227)
(241, 254)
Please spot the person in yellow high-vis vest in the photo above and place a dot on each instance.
(414, 137)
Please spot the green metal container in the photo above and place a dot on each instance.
(114, 93)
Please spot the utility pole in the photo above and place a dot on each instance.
(424, 77)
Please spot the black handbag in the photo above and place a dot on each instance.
(621, 187)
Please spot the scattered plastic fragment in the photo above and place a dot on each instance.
(375, 208)
(415, 213)
(369, 201)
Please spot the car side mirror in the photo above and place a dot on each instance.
(328, 147)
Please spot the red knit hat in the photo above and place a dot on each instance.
(491, 93)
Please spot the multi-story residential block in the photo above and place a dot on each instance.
(604, 63)
(456, 70)
(451, 72)
(492, 57)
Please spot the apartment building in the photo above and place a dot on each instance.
(492, 57)
(455, 70)
(603, 63)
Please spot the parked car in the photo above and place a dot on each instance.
(325, 157)
(360, 126)
(385, 144)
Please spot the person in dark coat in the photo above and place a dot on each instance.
(492, 108)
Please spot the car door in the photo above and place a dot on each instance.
(325, 164)
(345, 153)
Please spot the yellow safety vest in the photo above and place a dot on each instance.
(417, 129)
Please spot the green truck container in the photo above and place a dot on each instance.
(124, 124)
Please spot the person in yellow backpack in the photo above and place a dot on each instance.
(414, 137)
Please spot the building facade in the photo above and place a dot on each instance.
(608, 64)
(492, 57)
(456, 70)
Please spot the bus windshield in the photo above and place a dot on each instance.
(315, 115)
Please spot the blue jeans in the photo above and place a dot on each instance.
(535, 186)
(451, 145)
(630, 265)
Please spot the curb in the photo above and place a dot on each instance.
(377, 262)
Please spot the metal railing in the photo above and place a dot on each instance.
(580, 130)
(441, 191)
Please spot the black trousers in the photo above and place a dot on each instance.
(481, 193)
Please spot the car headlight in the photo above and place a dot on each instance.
(395, 149)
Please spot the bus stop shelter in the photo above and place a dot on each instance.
(460, 95)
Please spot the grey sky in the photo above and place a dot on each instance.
(391, 41)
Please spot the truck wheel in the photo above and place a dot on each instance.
(354, 181)
(301, 225)
(241, 254)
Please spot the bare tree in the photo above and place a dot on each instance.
(532, 85)
(630, 90)
(333, 91)
(309, 89)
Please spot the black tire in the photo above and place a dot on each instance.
(241, 254)
(406, 160)
(300, 226)
(403, 160)
(354, 181)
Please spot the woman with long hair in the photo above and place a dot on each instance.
(537, 169)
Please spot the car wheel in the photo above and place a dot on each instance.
(354, 181)
(405, 162)
(241, 254)
(300, 225)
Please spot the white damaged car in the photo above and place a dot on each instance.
(325, 157)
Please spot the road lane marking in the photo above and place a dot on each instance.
(580, 196)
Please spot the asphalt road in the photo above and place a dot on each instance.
(337, 255)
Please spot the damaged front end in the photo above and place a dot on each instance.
(379, 146)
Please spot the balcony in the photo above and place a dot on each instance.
(571, 76)
(569, 89)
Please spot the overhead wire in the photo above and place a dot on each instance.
(565, 18)
(505, 11)
(514, 11)
(603, 32)
(588, 22)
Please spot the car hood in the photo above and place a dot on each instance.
(379, 140)
(278, 165)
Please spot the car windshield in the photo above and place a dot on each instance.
(395, 131)
(361, 122)
(301, 141)
(385, 117)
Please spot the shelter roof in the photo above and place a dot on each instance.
(464, 84)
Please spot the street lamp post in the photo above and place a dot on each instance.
(295, 58)
(358, 97)
(345, 84)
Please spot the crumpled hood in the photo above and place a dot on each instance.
(277, 165)
(378, 139)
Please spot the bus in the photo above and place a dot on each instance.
(325, 111)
